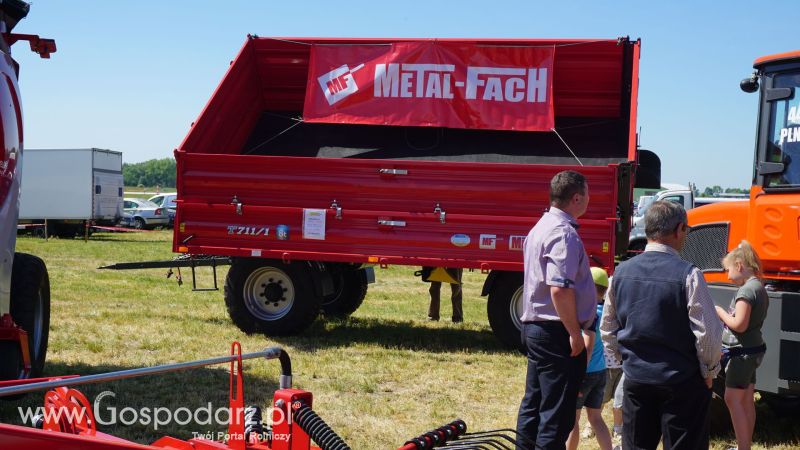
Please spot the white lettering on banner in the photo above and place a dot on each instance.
(536, 91)
(516, 242)
(387, 82)
(497, 84)
(789, 135)
(405, 84)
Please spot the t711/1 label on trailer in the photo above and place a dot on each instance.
(248, 230)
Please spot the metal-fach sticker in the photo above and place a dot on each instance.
(488, 241)
(516, 242)
(460, 240)
(282, 232)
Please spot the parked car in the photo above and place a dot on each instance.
(166, 201)
(141, 213)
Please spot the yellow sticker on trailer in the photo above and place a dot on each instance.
(605, 247)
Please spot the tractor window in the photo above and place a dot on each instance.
(784, 133)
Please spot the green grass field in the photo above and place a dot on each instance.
(379, 378)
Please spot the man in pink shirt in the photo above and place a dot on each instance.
(559, 301)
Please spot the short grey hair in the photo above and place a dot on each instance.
(662, 218)
(564, 185)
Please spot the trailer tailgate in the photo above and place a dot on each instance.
(387, 209)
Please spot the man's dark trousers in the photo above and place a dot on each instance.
(679, 412)
(547, 411)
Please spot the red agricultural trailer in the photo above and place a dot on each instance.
(316, 159)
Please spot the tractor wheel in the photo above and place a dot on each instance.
(270, 297)
(504, 309)
(30, 305)
(350, 288)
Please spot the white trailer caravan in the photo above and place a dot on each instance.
(70, 189)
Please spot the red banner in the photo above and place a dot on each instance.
(435, 84)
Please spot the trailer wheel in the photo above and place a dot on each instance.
(350, 288)
(504, 309)
(271, 297)
(30, 305)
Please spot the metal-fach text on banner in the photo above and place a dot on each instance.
(432, 84)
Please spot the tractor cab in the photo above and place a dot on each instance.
(778, 142)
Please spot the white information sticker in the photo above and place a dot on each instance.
(314, 224)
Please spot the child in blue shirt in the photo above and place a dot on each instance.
(591, 392)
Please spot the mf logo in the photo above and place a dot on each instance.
(516, 242)
(488, 241)
(339, 83)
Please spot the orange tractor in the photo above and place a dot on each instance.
(770, 221)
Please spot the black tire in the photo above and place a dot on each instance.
(783, 405)
(350, 288)
(294, 303)
(30, 305)
(505, 297)
(139, 223)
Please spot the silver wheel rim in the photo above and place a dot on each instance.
(268, 293)
(515, 308)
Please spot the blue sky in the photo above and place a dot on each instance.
(132, 75)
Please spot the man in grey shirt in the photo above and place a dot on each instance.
(559, 300)
(660, 319)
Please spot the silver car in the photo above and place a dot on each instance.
(166, 201)
(141, 213)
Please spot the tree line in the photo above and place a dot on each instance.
(714, 191)
(155, 172)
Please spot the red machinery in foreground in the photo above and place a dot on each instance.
(68, 423)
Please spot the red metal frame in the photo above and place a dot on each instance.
(597, 79)
(81, 434)
(43, 46)
(9, 331)
(272, 71)
(473, 210)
